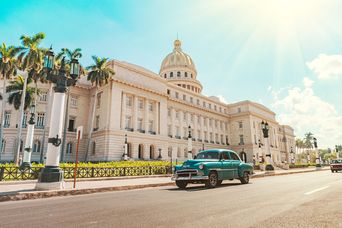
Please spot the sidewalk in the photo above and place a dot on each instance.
(18, 190)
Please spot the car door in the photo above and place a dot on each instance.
(235, 163)
(226, 164)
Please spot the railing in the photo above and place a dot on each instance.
(14, 173)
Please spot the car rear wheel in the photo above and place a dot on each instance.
(181, 184)
(213, 180)
(245, 178)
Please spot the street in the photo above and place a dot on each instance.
(297, 200)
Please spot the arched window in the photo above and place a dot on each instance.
(69, 148)
(171, 74)
(186, 74)
(141, 151)
(151, 152)
(178, 74)
(94, 148)
(164, 75)
(36, 146)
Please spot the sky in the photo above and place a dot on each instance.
(285, 54)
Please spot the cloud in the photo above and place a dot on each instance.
(305, 111)
(222, 99)
(327, 66)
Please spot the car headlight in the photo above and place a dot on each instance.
(201, 166)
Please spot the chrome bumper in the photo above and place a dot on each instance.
(190, 177)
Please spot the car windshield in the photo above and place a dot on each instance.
(336, 161)
(208, 155)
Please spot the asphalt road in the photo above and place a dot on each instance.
(298, 200)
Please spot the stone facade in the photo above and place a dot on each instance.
(155, 111)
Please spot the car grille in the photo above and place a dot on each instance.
(186, 172)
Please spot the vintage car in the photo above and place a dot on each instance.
(211, 167)
(336, 165)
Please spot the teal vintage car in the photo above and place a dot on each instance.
(211, 167)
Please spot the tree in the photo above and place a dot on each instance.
(8, 68)
(99, 75)
(15, 90)
(308, 138)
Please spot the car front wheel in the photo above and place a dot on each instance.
(212, 180)
(245, 178)
(181, 184)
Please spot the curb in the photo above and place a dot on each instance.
(47, 194)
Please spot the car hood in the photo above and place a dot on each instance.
(189, 163)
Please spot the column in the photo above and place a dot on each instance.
(181, 123)
(157, 119)
(173, 115)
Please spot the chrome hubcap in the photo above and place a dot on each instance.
(213, 179)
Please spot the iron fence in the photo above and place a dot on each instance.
(14, 173)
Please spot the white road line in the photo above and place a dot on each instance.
(316, 190)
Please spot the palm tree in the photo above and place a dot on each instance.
(15, 90)
(99, 74)
(308, 138)
(69, 55)
(8, 68)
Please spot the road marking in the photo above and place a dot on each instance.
(316, 190)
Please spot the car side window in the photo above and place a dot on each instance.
(233, 156)
(224, 156)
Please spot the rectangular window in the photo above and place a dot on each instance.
(198, 134)
(150, 106)
(168, 92)
(205, 135)
(129, 101)
(210, 106)
(177, 131)
(215, 108)
(216, 123)
(98, 102)
(184, 97)
(198, 119)
(43, 96)
(222, 139)
(185, 132)
(7, 121)
(203, 104)
(40, 120)
(211, 136)
(128, 122)
(239, 110)
(191, 99)
(210, 122)
(150, 125)
(97, 122)
(24, 120)
(169, 130)
(240, 124)
(241, 140)
(220, 109)
(141, 104)
(198, 102)
(71, 125)
(140, 123)
(176, 95)
(73, 101)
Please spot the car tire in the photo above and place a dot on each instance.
(213, 180)
(245, 178)
(181, 184)
(332, 171)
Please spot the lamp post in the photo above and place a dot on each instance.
(189, 143)
(29, 140)
(160, 156)
(318, 164)
(260, 154)
(51, 177)
(292, 156)
(125, 155)
(265, 129)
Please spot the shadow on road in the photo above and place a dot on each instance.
(201, 187)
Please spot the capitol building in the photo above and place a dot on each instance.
(154, 113)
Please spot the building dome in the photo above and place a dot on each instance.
(179, 69)
(177, 58)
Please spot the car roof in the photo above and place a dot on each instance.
(217, 150)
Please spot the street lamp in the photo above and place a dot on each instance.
(265, 129)
(260, 155)
(29, 140)
(125, 155)
(51, 177)
(292, 156)
(318, 164)
(189, 143)
(159, 156)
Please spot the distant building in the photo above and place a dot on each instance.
(155, 111)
